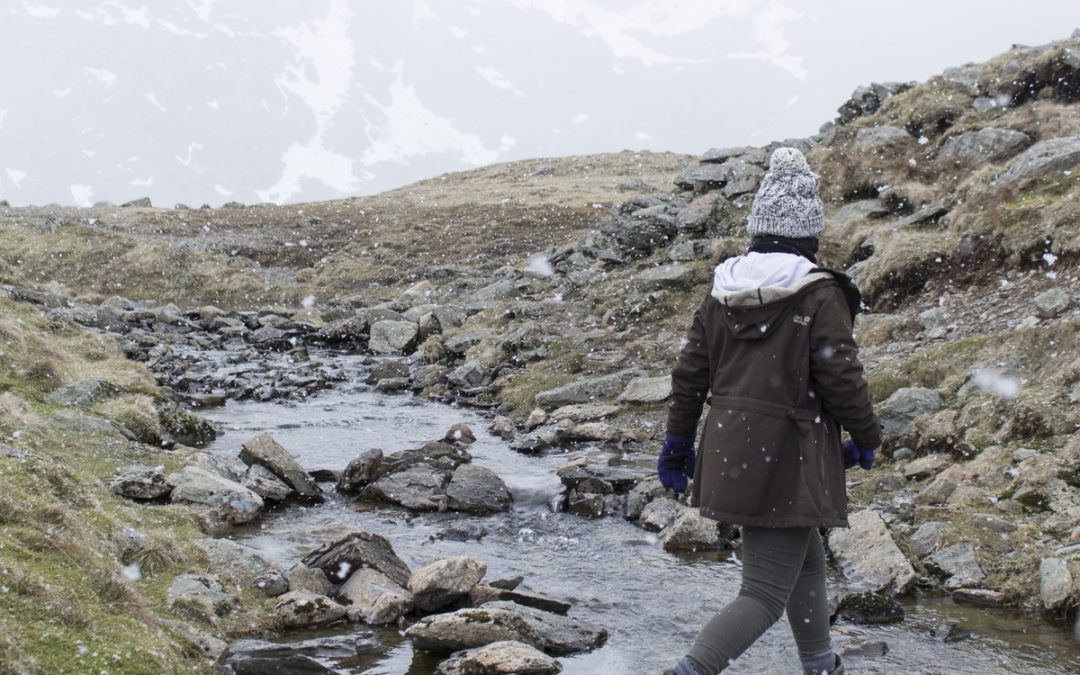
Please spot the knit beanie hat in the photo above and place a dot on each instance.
(787, 203)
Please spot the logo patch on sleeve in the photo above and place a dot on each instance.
(802, 320)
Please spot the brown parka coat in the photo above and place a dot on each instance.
(780, 368)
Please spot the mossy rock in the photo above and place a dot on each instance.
(186, 428)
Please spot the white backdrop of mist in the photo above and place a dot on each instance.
(283, 101)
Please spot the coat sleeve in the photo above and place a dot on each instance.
(837, 374)
(690, 380)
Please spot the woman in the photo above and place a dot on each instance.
(772, 347)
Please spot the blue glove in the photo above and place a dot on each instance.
(675, 465)
(856, 454)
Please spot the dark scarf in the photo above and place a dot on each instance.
(806, 247)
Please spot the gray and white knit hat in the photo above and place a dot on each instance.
(787, 203)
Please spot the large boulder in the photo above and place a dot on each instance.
(905, 404)
(445, 581)
(505, 657)
(263, 449)
(341, 558)
(1049, 156)
(984, 145)
(690, 531)
(495, 621)
(867, 555)
(419, 488)
(475, 489)
(393, 337)
(264, 483)
(226, 501)
(374, 598)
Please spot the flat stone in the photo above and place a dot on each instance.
(865, 649)
(232, 560)
(869, 609)
(867, 555)
(904, 405)
(665, 276)
(659, 513)
(499, 658)
(341, 558)
(927, 538)
(925, 467)
(1049, 156)
(1055, 582)
(481, 594)
(647, 390)
(980, 596)
(374, 598)
(419, 488)
(259, 657)
(959, 565)
(477, 627)
(263, 449)
(587, 390)
(937, 492)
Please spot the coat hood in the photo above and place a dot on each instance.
(754, 289)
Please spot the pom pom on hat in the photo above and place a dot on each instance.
(788, 160)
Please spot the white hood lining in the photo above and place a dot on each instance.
(759, 278)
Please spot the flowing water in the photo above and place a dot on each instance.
(616, 574)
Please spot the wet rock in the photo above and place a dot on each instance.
(361, 471)
(350, 331)
(980, 596)
(867, 649)
(1049, 156)
(227, 501)
(927, 538)
(186, 428)
(690, 531)
(869, 609)
(139, 481)
(374, 598)
(200, 597)
(866, 554)
(536, 418)
(419, 488)
(503, 427)
(498, 658)
(958, 564)
(985, 145)
(643, 493)
(497, 621)
(481, 594)
(460, 434)
(263, 449)
(272, 583)
(588, 505)
(1052, 303)
(475, 489)
(81, 393)
(621, 478)
(444, 582)
(258, 657)
(311, 579)
(647, 390)
(304, 609)
(340, 558)
(905, 404)
(233, 560)
(393, 337)
(660, 513)
(466, 376)
(264, 483)
(950, 632)
(534, 443)
(1055, 582)
(587, 390)
(387, 369)
(666, 276)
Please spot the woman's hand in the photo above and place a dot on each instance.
(856, 454)
(675, 465)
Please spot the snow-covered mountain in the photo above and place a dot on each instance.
(284, 101)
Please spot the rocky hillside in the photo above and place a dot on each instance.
(530, 286)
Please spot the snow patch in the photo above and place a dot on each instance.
(81, 195)
(539, 265)
(1005, 387)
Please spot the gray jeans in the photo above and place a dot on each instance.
(783, 568)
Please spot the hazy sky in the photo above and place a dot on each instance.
(285, 101)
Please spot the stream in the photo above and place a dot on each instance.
(615, 573)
